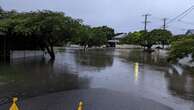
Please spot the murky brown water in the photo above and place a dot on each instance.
(120, 69)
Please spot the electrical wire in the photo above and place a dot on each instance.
(182, 15)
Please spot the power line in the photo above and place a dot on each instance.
(186, 14)
(183, 14)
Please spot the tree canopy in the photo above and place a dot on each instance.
(108, 31)
(181, 48)
(93, 36)
(47, 27)
(148, 39)
(162, 36)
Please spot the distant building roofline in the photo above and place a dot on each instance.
(190, 32)
(123, 35)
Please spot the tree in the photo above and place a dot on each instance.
(88, 36)
(181, 48)
(47, 27)
(177, 37)
(137, 38)
(83, 36)
(109, 32)
(127, 39)
(162, 36)
(142, 38)
(99, 37)
(132, 38)
(148, 39)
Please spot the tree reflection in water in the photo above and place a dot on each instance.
(181, 84)
(36, 77)
(72, 70)
(137, 55)
(99, 59)
(180, 79)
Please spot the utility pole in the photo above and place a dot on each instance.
(164, 23)
(146, 21)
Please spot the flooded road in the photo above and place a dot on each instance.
(123, 70)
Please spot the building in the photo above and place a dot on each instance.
(120, 36)
(116, 39)
(190, 32)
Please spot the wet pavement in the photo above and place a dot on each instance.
(129, 71)
(94, 99)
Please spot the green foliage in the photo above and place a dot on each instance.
(96, 36)
(161, 36)
(109, 32)
(83, 36)
(177, 37)
(140, 38)
(126, 40)
(181, 48)
(132, 38)
(148, 39)
(47, 27)
(99, 37)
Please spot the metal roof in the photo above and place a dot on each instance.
(121, 36)
(190, 32)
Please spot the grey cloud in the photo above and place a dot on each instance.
(123, 15)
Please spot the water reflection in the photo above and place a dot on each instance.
(123, 70)
(136, 71)
(181, 81)
(137, 55)
(99, 59)
(35, 77)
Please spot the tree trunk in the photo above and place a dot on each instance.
(149, 49)
(85, 47)
(52, 55)
(51, 52)
(162, 45)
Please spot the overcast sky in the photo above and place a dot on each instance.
(122, 15)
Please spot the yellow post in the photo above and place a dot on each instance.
(80, 106)
(14, 106)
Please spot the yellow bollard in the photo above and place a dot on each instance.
(14, 106)
(80, 106)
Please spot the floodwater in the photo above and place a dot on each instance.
(124, 70)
